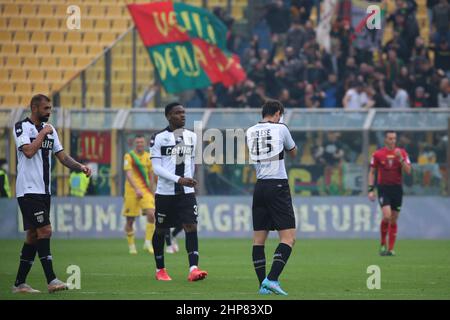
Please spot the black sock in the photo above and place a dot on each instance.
(43, 249)
(176, 231)
(280, 259)
(158, 247)
(259, 262)
(26, 262)
(192, 248)
(168, 238)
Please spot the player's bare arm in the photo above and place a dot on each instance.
(154, 181)
(72, 164)
(371, 179)
(293, 152)
(130, 179)
(187, 182)
(29, 150)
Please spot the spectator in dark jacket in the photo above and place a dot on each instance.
(441, 21)
(278, 17)
(442, 56)
(296, 37)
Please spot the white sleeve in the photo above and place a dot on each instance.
(161, 172)
(289, 143)
(194, 150)
(57, 147)
(20, 136)
(155, 155)
(155, 147)
(194, 141)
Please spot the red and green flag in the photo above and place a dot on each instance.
(187, 45)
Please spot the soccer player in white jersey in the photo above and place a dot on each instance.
(36, 140)
(272, 204)
(172, 152)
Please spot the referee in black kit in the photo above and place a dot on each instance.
(36, 140)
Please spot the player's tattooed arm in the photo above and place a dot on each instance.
(72, 164)
(68, 161)
(31, 149)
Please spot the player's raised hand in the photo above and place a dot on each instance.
(86, 170)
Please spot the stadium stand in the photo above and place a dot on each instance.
(34, 38)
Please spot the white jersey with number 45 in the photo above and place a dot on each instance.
(267, 142)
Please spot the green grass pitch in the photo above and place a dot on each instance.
(317, 269)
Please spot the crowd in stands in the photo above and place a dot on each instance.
(402, 72)
(405, 72)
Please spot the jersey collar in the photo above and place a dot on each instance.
(170, 130)
(29, 120)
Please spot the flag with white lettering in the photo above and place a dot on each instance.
(187, 45)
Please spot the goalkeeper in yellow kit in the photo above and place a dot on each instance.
(138, 197)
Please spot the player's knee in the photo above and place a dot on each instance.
(44, 232)
(293, 241)
(290, 241)
(129, 224)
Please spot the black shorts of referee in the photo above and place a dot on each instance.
(390, 195)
